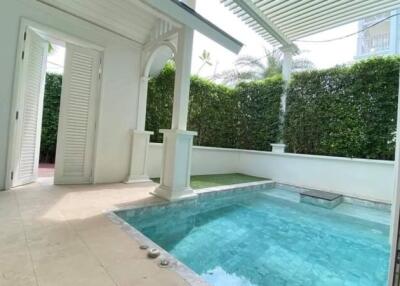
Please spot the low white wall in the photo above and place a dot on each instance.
(205, 160)
(367, 179)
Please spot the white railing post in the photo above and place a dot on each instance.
(286, 73)
(394, 226)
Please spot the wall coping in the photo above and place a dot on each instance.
(291, 155)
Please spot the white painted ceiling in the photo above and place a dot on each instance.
(126, 17)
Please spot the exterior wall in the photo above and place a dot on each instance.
(119, 87)
(383, 38)
(367, 179)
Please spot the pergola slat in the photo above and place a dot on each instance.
(282, 21)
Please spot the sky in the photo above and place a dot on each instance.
(322, 55)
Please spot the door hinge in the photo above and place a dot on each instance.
(23, 55)
(100, 69)
(12, 176)
(16, 115)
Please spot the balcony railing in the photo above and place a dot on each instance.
(373, 44)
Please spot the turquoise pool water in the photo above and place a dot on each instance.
(253, 238)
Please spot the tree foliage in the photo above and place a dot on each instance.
(249, 68)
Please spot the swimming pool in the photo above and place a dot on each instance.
(264, 238)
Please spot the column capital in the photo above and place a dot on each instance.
(290, 49)
(145, 78)
(178, 131)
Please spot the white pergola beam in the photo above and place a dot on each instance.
(302, 10)
(342, 12)
(351, 17)
(187, 16)
(263, 21)
(288, 20)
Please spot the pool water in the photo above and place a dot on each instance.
(253, 238)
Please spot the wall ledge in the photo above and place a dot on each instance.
(293, 155)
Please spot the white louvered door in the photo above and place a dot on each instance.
(29, 109)
(76, 129)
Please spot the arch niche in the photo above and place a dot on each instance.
(154, 60)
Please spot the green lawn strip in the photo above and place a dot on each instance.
(207, 181)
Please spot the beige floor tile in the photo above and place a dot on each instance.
(142, 272)
(58, 235)
(74, 269)
(16, 267)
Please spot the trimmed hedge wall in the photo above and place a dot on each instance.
(245, 117)
(51, 109)
(344, 111)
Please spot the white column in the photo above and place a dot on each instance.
(142, 103)
(395, 213)
(140, 139)
(176, 163)
(139, 153)
(286, 72)
(183, 62)
(177, 148)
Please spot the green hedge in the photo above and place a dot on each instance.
(344, 111)
(245, 117)
(51, 108)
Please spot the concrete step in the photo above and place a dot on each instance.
(322, 199)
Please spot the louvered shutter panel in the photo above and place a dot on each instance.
(77, 116)
(29, 114)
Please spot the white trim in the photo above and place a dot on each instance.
(268, 153)
(175, 11)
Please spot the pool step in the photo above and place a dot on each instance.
(321, 199)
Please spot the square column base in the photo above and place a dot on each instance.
(139, 152)
(176, 163)
(278, 148)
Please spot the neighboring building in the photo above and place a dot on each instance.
(381, 39)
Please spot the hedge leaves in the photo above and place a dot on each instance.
(51, 108)
(246, 117)
(342, 111)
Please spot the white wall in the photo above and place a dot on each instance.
(368, 179)
(205, 160)
(119, 82)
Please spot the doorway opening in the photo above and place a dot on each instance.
(56, 101)
(51, 110)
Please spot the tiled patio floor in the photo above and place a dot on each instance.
(58, 235)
